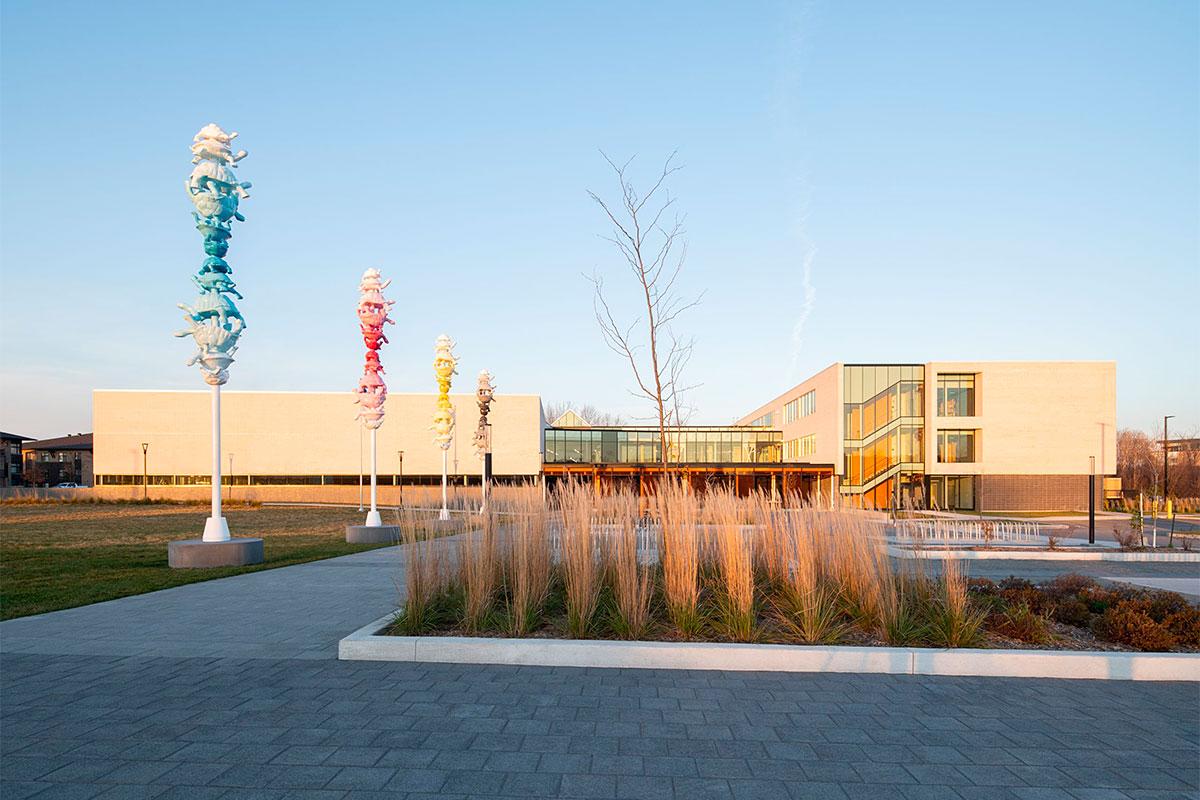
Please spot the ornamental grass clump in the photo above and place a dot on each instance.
(953, 621)
(425, 573)
(858, 564)
(807, 603)
(678, 513)
(526, 565)
(734, 557)
(630, 575)
(478, 567)
(580, 566)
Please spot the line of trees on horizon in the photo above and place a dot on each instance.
(1140, 465)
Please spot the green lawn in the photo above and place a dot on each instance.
(57, 556)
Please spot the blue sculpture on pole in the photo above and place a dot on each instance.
(214, 322)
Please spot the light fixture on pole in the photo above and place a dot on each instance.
(215, 323)
(444, 363)
(373, 310)
(485, 394)
(1165, 484)
(400, 456)
(145, 474)
(1092, 501)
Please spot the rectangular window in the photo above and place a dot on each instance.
(802, 406)
(956, 395)
(763, 422)
(808, 402)
(956, 447)
(796, 449)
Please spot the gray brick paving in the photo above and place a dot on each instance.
(85, 726)
(229, 689)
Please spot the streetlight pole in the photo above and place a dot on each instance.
(400, 455)
(145, 475)
(1165, 418)
(231, 476)
(1092, 501)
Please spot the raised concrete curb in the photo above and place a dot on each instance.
(378, 534)
(197, 553)
(1074, 554)
(365, 645)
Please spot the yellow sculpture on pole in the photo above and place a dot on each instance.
(444, 363)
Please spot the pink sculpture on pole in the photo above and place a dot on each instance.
(373, 310)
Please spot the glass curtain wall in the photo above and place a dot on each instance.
(884, 415)
(642, 446)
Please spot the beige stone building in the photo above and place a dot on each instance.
(1002, 436)
(966, 435)
(292, 445)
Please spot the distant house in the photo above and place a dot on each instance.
(67, 459)
(570, 419)
(10, 458)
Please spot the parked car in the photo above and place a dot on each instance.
(69, 485)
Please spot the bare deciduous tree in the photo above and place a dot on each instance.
(654, 251)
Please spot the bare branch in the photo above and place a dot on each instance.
(648, 246)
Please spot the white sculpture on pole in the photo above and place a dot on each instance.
(371, 395)
(444, 364)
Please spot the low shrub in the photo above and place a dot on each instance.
(1072, 611)
(1128, 622)
(1022, 623)
(1126, 538)
(1184, 625)
(1071, 583)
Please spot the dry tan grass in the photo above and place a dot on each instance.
(678, 512)
(526, 562)
(821, 574)
(478, 564)
(734, 564)
(580, 566)
(632, 582)
(426, 572)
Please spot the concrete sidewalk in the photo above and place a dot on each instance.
(291, 612)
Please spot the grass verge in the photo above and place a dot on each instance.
(55, 556)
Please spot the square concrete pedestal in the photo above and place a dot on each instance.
(373, 534)
(193, 553)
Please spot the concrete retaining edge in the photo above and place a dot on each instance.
(1042, 555)
(365, 645)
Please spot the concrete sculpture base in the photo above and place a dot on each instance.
(195, 553)
(373, 534)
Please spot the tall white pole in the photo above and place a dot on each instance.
(373, 518)
(216, 529)
(445, 510)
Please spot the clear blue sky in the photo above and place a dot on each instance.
(1010, 180)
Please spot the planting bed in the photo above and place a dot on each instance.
(736, 570)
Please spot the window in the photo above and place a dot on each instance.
(956, 447)
(808, 402)
(764, 421)
(956, 395)
(802, 406)
(795, 449)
